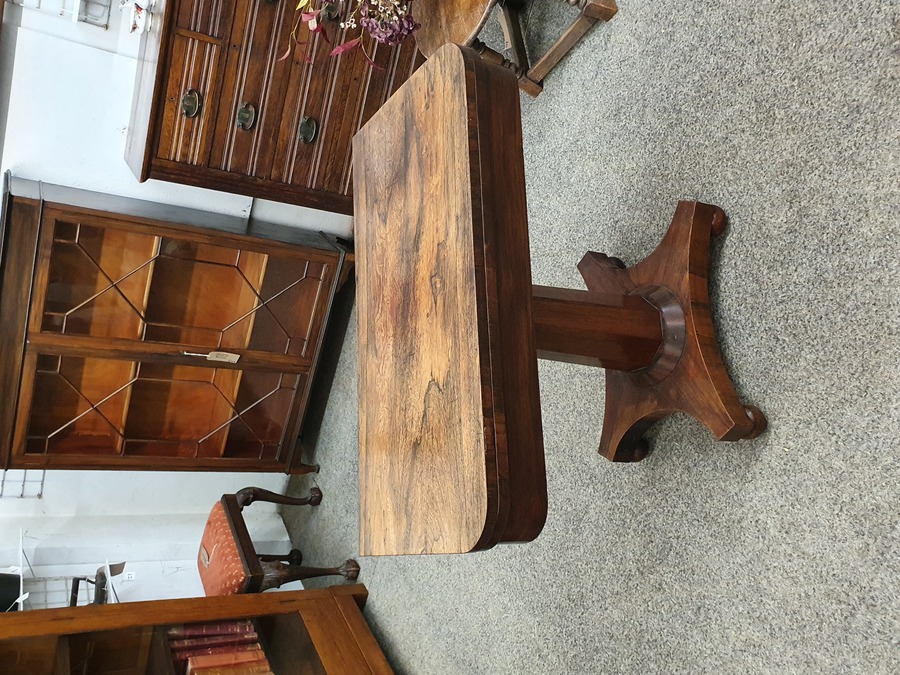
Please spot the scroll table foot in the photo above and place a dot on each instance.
(691, 379)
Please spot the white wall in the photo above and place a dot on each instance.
(152, 520)
(70, 88)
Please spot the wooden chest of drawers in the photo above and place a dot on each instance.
(226, 99)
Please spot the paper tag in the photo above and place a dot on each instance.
(223, 357)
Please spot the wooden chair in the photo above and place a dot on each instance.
(461, 21)
(229, 563)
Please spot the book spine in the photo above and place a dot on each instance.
(196, 663)
(259, 668)
(180, 657)
(217, 628)
(214, 640)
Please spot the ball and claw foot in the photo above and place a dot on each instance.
(349, 570)
(315, 496)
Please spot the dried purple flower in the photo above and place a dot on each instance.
(387, 21)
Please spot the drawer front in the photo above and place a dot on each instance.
(211, 18)
(186, 137)
(228, 54)
(340, 94)
(249, 115)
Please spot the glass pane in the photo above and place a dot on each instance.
(93, 406)
(97, 281)
(291, 293)
(264, 403)
(78, 405)
(107, 282)
(194, 302)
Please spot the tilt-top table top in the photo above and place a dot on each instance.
(451, 445)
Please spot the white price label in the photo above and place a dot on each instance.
(223, 357)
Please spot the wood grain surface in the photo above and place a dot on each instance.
(695, 381)
(443, 21)
(451, 450)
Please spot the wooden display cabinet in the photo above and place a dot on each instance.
(302, 632)
(133, 340)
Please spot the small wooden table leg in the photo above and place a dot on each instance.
(526, 84)
(512, 30)
(591, 12)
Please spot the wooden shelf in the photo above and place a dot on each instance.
(309, 631)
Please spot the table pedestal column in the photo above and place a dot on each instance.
(651, 328)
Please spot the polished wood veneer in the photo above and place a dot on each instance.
(450, 326)
(450, 428)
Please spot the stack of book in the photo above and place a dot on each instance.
(220, 648)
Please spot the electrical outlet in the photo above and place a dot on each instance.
(128, 576)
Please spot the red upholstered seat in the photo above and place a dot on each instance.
(219, 561)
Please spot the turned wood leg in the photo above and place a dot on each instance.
(526, 84)
(512, 30)
(275, 573)
(248, 495)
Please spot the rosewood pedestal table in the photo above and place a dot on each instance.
(460, 22)
(450, 325)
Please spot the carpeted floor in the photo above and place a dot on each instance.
(779, 555)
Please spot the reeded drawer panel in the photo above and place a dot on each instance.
(182, 138)
(276, 121)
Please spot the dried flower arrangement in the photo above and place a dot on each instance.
(388, 22)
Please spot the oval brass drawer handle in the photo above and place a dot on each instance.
(246, 116)
(191, 103)
(309, 129)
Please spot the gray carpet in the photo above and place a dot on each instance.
(779, 555)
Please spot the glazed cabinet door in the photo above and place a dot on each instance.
(80, 411)
(106, 279)
(152, 346)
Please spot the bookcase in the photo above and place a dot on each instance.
(310, 631)
(141, 336)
